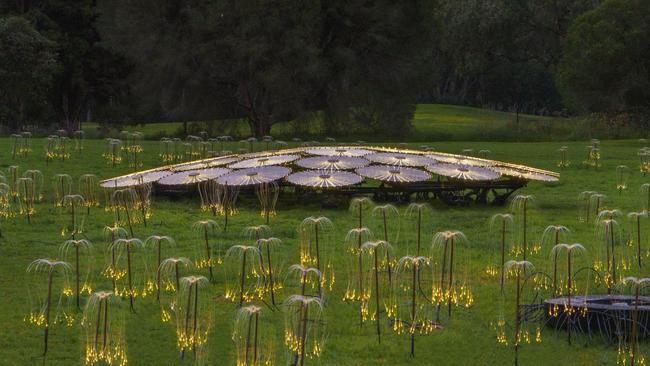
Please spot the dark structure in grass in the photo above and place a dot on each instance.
(387, 174)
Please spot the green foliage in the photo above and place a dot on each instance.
(606, 63)
(27, 61)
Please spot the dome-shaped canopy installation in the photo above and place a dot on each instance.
(463, 172)
(253, 176)
(322, 179)
(399, 159)
(461, 160)
(205, 163)
(332, 162)
(187, 177)
(394, 174)
(135, 179)
(264, 161)
(338, 151)
(527, 174)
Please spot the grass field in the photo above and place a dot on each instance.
(467, 339)
(431, 122)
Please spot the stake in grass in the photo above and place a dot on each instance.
(356, 289)
(505, 223)
(313, 231)
(631, 349)
(569, 310)
(83, 260)
(267, 246)
(413, 311)
(103, 325)
(42, 317)
(73, 215)
(554, 234)
(244, 280)
(622, 176)
(304, 330)
(131, 247)
(191, 328)
(519, 269)
(635, 218)
(419, 210)
(520, 206)
(206, 228)
(382, 286)
(267, 194)
(62, 186)
(384, 212)
(251, 339)
(111, 234)
(156, 243)
(448, 289)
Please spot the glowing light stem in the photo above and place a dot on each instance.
(97, 324)
(77, 274)
(128, 264)
(525, 244)
(187, 318)
(638, 240)
(517, 317)
(271, 285)
(613, 263)
(451, 275)
(377, 320)
(442, 279)
(413, 299)
(105, 324)
(418, 232)
(241, 281)
(557, 241)
(635, 316)
(503, 252)
(207, 248)
(317, 254)
(569, 280)
(196, 312)
(360, 265)
(158, 272)
(48, 303)
(29, 215)
(388, 264)
(303, 336)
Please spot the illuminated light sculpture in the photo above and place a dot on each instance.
(329, 163)
(463, 172)
(399, 159)
(384, 212)
(505, 223)
(62, 186)
(111, 234)
(88, 185)
(381, 285)
(451, 266)
(37, 178)
(324, 179)
(356, 290)
(314, 234)
(520, 206)
(26, 198)
(394, 174)
(413, 313)
(83, 262)
(304, 333)
(205, 229)
(42, 317)
(157, 242)
(192, 317)
(569, 249)
(252, 338)
(103, 323)
(244, 282)
(554, 235)
(137, 279)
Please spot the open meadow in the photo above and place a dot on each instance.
(468, 337)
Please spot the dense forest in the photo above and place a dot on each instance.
(358, 64)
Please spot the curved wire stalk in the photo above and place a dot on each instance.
(358, 205)
(374, 250)
(111, 234)
(446, 289)
(77, 246)
(128, 246)
(103, 324)
(251, 343)
(73, 215)
(267, 194)
(633, 347)
(569, 251)
(504, 221)
(553, 235)
(312, 230)
(519, 268)
(520, 205)
(191, 329)
(385, 212)
(303, 334)
(356, 290)
(156, 242)
(266, 247)
(62, 186)
(42, 317)
(418, 210)
(248, 269)
(206, 228)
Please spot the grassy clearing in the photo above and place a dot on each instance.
(468, 337)
(431, 122)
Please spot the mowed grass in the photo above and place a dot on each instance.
(431, 122)
(468, 338)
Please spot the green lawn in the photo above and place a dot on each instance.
(432, 122)
(467, 338)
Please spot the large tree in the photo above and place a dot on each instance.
(27, 64)
(274, 60)
(606, 63)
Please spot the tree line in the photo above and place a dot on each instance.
(356, 65)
